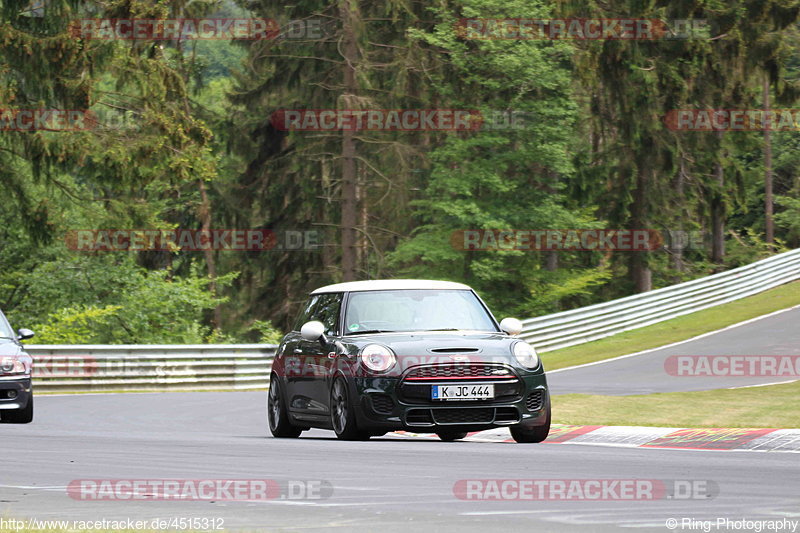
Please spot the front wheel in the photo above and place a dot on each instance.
(343, 419)
(19, 416)
(279, 424)
(535, 434)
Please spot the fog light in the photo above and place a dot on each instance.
(12, 394)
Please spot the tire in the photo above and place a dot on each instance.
(343, 418)
(277, 416)
(535, 434)
(19, 416)
(450, 436)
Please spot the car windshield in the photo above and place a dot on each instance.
(415, 310)
(5, 329)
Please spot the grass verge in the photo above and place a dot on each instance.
(772, 406)
(677, 329)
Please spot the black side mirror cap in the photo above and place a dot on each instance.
(23, 334)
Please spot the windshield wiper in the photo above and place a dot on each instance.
(442, 329)
(371, 331)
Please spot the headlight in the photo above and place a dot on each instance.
(526, 355)
(377, 358)
(11, 365)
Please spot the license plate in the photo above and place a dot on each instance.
(462, 392)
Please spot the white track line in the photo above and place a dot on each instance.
(763, 384)
(643, 352)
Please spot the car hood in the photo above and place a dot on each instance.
(428, 343)
(9, 348)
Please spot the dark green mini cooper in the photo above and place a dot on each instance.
(369, 357)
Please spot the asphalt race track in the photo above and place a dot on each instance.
(776, 334)
(391, 483)
(385, 484)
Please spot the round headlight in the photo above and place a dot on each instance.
(10, 365)
(526, 355)
(377, 358)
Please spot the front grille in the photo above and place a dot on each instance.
(460, 371)
(535, 400)
(382, 403)
(463, 416)
(420, 392)
(416, 385)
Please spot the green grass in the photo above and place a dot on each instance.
(772, 406)
(677, 329)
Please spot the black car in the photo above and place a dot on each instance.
(16, 395)
(370, 357)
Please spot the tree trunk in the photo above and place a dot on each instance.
(769, 227)
(677, 251)
(205, 221)
(551, 258)
(349, 177)
(718, 210)
(362, 248)
(551, 261)
(640, 272)
(638, 267)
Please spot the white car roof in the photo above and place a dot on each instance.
(392, 284)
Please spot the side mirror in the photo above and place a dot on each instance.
(314, 331)
(23, 334)
(512, 326)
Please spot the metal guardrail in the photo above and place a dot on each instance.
(577, 326)
(133, 367)
(113, 368)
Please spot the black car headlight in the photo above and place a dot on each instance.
(526, 355)
(377, 358)
(12, 365)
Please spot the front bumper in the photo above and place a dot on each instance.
(15, 392)
(387, 404)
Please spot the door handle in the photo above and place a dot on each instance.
(297, 350)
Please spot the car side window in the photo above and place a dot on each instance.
(306, 313)
(327, 312)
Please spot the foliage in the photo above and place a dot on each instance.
(184, 139)
(75, 325)
(268, 334)
(106, 301)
